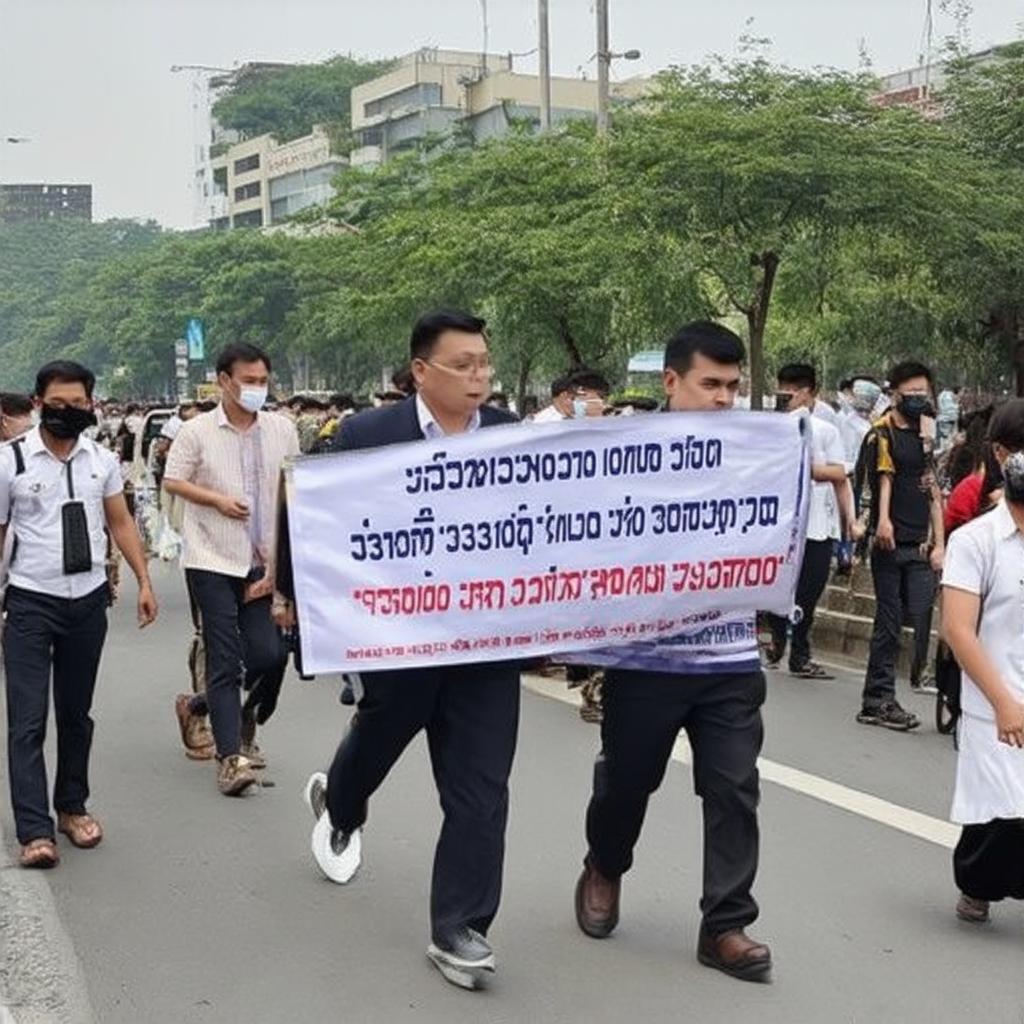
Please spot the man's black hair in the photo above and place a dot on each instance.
(703, 337)
(241, 352)
(341, 402)
(908, 370)
(588, 380)
(431, 326)
(64, 371)
(800, 375)
(1007, 425)
(12, 404)
(559, 384)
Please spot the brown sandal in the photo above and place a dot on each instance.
(82, 829)
(39, 853)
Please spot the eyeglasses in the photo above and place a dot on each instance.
(466, 367)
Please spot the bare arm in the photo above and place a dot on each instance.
(844, 500)
(885, 534)
(126, 537)
(960, 611)
(828, 473)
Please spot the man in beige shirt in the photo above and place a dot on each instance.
(226, 464)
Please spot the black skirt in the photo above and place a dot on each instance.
(988, 862)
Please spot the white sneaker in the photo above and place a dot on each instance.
(337, 854)
(315, 794)
(466, 962)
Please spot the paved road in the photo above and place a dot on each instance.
(197, 908)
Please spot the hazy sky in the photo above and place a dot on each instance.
(89, 80)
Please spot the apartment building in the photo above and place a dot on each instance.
(38, 203)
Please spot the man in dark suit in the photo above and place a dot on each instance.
(470, 712)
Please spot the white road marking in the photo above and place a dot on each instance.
(903, 819)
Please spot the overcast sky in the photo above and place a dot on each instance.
(89, 81)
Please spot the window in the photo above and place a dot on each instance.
(250, 191)
(247, 163)
(252, 219)
(425, 94)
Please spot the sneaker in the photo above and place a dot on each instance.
(464, 959)
(235, 775)
(315, 794)
(252, 753)
(195, 732)
(889, 715)
(925, 685)
(809, 670)
(971, 910)
(337, 854)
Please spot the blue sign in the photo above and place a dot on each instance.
(194, 335)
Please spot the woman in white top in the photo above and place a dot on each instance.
(983, 622)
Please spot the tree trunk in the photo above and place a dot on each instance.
(525, 365)
(565, 336)
(757, 321)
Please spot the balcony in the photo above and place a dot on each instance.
(367, 156)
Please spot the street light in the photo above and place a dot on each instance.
(604, 60)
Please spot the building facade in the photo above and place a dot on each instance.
(24, 204)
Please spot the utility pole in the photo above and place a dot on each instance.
(544, 47)
(604, 59)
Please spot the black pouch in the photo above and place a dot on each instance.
(77, 548)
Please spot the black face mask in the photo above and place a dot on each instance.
(783, 402)
(66, 423)
(916, 406)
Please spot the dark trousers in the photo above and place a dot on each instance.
(471, 716)
(988, 862)
(66, 636)
(814, 570)
(244, 648)
(904, 583)
(721, 713)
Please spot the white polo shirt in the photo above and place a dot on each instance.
(826, 449)
(30, 506)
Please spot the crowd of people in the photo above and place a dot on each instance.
(895, 480)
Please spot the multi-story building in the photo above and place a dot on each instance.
(264, 182)
(432, 92)
(20, 204)
(920, 87)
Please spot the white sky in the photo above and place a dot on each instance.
(89, 80)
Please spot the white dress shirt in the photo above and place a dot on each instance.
(31, 503)
(431, 428)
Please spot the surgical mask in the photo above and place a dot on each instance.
(252, 399)
(916, 406)
(1013, 478)
(579, 408)
(783, 401)
(66, 422)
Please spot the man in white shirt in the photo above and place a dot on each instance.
(578, 394)
(983, 623)
(59, 494)
(226, 465)
(797, 391)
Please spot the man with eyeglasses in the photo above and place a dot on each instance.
(470, 712)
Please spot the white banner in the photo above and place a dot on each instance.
(527, 540)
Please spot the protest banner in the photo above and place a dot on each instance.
(527, 540)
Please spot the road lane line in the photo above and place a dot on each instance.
(854, 801)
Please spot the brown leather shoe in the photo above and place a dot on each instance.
(597, 903)
(736, 954)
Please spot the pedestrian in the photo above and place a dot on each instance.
(714, 692)
(15, 416)
(909, 541)
(829, 519)
(576, 395)
(470, 712)
(983, 623)
(226, 466)
(60, 493)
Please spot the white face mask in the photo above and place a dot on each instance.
(252, 399)
(579, 408)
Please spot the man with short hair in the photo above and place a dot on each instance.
(909, 540)
(60, 494)
(577, 395)
(715, 693)
(15, 416)
(797, 392)
(226, 465)
(470, 712)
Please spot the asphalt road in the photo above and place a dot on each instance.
(197, 908)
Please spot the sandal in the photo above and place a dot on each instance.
(82, 829)
(39, 853)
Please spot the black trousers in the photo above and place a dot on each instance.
(904, 580)
(244, 648)
(471, 716)
(988, 862)
(814, 570)
(65, 636)
(643, 714)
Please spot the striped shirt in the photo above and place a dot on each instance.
(242, 464)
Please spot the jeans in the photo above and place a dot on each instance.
(66, 636)
(811, 585)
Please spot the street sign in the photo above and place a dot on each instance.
(196, 338)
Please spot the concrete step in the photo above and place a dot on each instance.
(849, 635)
(840, 598)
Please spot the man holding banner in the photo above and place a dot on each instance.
(712, 687)
(470, 712)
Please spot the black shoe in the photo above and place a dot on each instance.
(890, 716)
(348, 695)
(925, 685)
(463, 958)
(809, 670)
